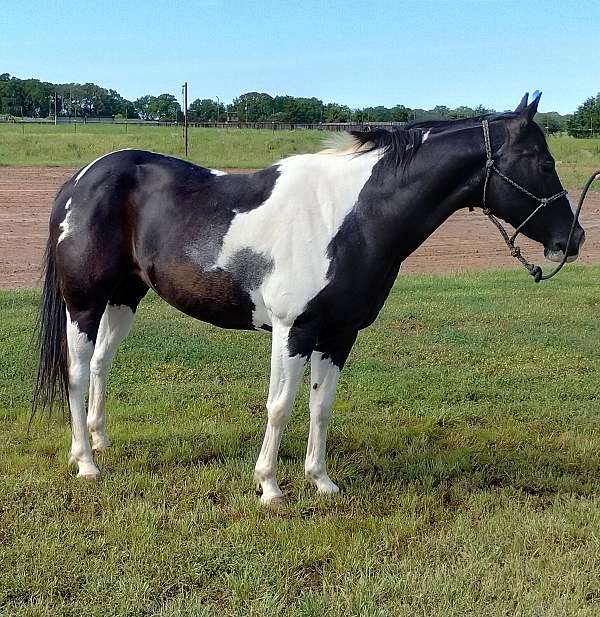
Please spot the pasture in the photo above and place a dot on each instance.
(35, 144)
(465, 438)
(43, 144)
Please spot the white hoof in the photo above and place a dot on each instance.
(327, 488)
(88, 471)
(268, 489)
(274, 501)
(88, 477)
(323, 484)
(85, 470)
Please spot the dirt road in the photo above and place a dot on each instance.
(467, 241)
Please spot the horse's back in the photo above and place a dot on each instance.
(162, 219)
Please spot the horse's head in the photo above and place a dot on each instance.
(525, 159)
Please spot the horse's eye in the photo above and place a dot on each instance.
(548, 166)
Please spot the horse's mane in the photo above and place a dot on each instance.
(442, 125)
(398, 145)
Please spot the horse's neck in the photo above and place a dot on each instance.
(412, 212)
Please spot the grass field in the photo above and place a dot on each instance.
(245, 148)
(465, 438)
(60, 146)
(576, 159)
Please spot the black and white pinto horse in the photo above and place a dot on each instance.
(307, 249)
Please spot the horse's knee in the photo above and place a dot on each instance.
(279, 412)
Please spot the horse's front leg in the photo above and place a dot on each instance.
(286, 374)
(325, 366)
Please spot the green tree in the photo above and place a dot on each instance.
(333, 112)
(552, 122)
(253, 107)
(163, 107)
(141, 106)
(206, 110)
(441, 112)
(376, 114)
(586, 120)
(480, 110)
(399, 113)
(461, 112)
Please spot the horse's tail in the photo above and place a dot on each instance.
(52, 382)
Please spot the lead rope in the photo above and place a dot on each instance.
(515, 251)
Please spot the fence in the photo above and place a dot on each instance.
(291, 126)
(272, 126)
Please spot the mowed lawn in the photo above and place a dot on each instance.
(465, 437)
(35, 144)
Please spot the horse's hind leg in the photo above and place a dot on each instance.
(82, 326)
(115, 325)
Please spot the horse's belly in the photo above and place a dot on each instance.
(213, 296)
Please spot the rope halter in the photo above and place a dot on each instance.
(515, 251)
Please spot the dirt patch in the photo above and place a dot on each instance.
(465, 242)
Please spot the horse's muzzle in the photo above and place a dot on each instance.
(556, 253)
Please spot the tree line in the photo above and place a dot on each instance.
(36, 99)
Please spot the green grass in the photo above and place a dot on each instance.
(576, 159)
(245, 148)
(465, 438)
(61, 146)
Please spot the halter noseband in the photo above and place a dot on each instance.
(515, 251)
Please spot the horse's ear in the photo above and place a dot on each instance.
(523, 104)
(531, 109)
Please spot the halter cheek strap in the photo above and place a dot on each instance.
(515, 251)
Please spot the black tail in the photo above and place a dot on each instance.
(52, 381)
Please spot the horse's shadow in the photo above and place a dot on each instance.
(424, 465)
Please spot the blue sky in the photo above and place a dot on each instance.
(419, 53)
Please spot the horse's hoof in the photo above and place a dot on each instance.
(328, 489)
(323, 484)
(89, 477)
(101, 447)
(275, 503)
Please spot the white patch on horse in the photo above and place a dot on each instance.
(218, 172)
(80, 350)
(425, 136)
(87, 167)
(64, 226)
(293, 228)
